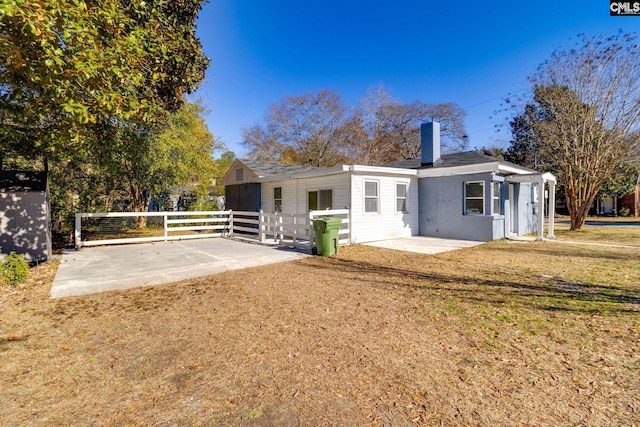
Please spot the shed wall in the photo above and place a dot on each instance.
(243, 197)
(24, 224)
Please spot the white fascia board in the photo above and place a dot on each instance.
(512, 169)
(489, 167)
(532, 177)
(549, 177)
(383, 170)
(458, 170)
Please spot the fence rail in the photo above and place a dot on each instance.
(275, 228)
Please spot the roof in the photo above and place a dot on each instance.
(22, 181)
(465, 158)
(266, 169)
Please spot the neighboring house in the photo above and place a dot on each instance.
(25, 215)
(463, 195)
(613, 205)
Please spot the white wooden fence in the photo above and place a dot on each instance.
(274, 228)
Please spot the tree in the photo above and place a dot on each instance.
(585, 116)
(307, 123)
(72, 68)
(622, 182)
(318, 130)
(159, 159)
(384, 129)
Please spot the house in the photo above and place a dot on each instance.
(463, 195)
(629, 203)
(25, 216)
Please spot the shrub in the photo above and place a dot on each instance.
(14, 269)
(625, 211)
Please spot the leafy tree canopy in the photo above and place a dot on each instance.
(72, 68)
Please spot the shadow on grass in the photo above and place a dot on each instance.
(543, 293)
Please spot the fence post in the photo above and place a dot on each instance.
(78, 231)
(312, 234)
(261, 232)
(230, 223)
(166, 231)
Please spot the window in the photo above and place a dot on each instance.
(371, 196)
(474, 198)
(320, 200)
(277, 199)
(496, 197)
(401, 197)
(239, 174)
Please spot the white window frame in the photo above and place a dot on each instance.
(405, 198)
(466, 212)
(318, 199)
(497, 189)
(376, 197)
(277, 207)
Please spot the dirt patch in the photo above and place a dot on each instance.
(502, 334)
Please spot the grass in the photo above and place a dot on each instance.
(507, 333)
(618, 235)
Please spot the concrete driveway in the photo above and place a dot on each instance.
(107, 268)
(424, 245)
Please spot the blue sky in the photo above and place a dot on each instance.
(472, 53)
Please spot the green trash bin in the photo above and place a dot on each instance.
(326, 233)
(319, 227)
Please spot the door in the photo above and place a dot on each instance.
(513, 209)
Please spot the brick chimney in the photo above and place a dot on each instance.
(430, 141)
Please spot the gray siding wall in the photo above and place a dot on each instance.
(442, 210)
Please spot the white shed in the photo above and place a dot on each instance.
(25, 215)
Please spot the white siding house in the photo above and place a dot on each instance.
(391, 211)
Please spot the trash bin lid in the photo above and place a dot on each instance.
(333, 222)
(320, 224)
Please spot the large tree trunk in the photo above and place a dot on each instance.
(579, 203)
(138, 204)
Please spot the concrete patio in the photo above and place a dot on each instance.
(107, 268)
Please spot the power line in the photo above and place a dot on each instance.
(493, 99)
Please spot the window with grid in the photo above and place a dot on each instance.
(401, 197)
(497, 187)
(277, 199)
(371, 196)
(474, 198)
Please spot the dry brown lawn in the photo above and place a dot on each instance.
(508, 333)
